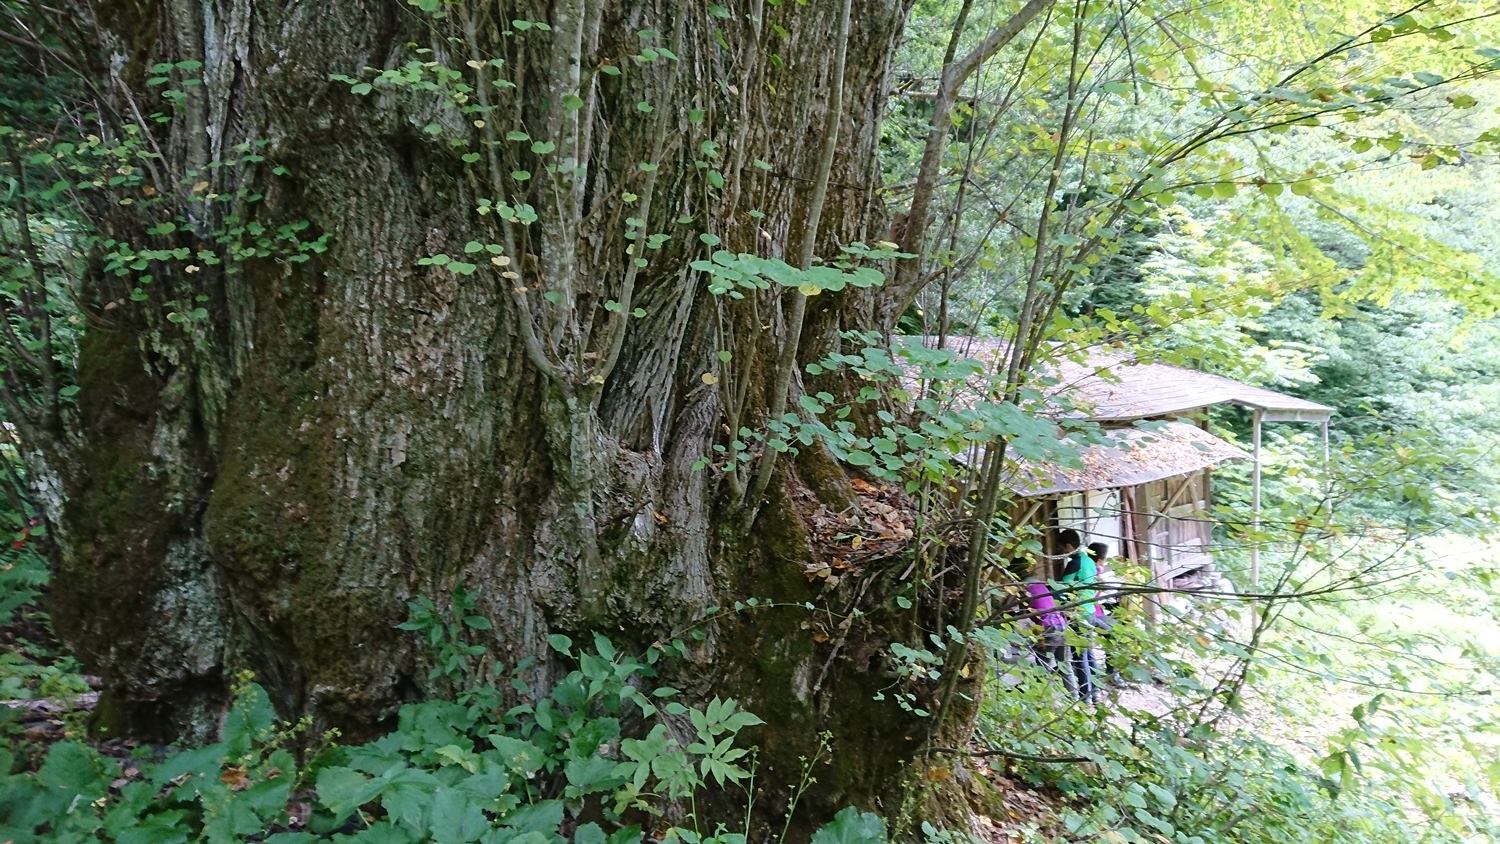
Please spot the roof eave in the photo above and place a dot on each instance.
(1286, 414)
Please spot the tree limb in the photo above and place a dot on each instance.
(994, 454)
(786, 363)
(619, 321)
(955, 74)
(42, 320)
(525, 324)
(29, 44)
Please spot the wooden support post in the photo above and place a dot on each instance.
(1255, 501)
(1325, 451)
(1327, 470)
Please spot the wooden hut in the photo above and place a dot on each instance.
(1145, 489)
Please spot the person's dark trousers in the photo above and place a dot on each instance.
(1108, 670)
(1084, 673)
(1052, 653)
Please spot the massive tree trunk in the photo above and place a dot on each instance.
(263, 487)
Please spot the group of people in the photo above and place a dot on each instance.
(1082, 609)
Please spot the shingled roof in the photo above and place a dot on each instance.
(1123, 391)
(1111, 387)
(1133, 456)
(1121, 394)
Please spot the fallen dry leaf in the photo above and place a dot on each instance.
(236, 778)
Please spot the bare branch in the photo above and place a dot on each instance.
(511, 278)
(1009, 754)
(29, 44)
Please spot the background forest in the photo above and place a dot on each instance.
(1300, 196)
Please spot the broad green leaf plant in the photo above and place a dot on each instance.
(604, 744)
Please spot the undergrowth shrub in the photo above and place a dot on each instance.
(29, 667)
(23, 569)
(597, 760)
(1207, 788)
(1132, 776)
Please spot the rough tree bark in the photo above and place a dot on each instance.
(265, 488)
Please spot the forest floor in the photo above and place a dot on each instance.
(1026, 813)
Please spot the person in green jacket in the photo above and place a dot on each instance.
(1081, 569)
(1108, 600)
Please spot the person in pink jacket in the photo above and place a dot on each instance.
(1050, 648)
